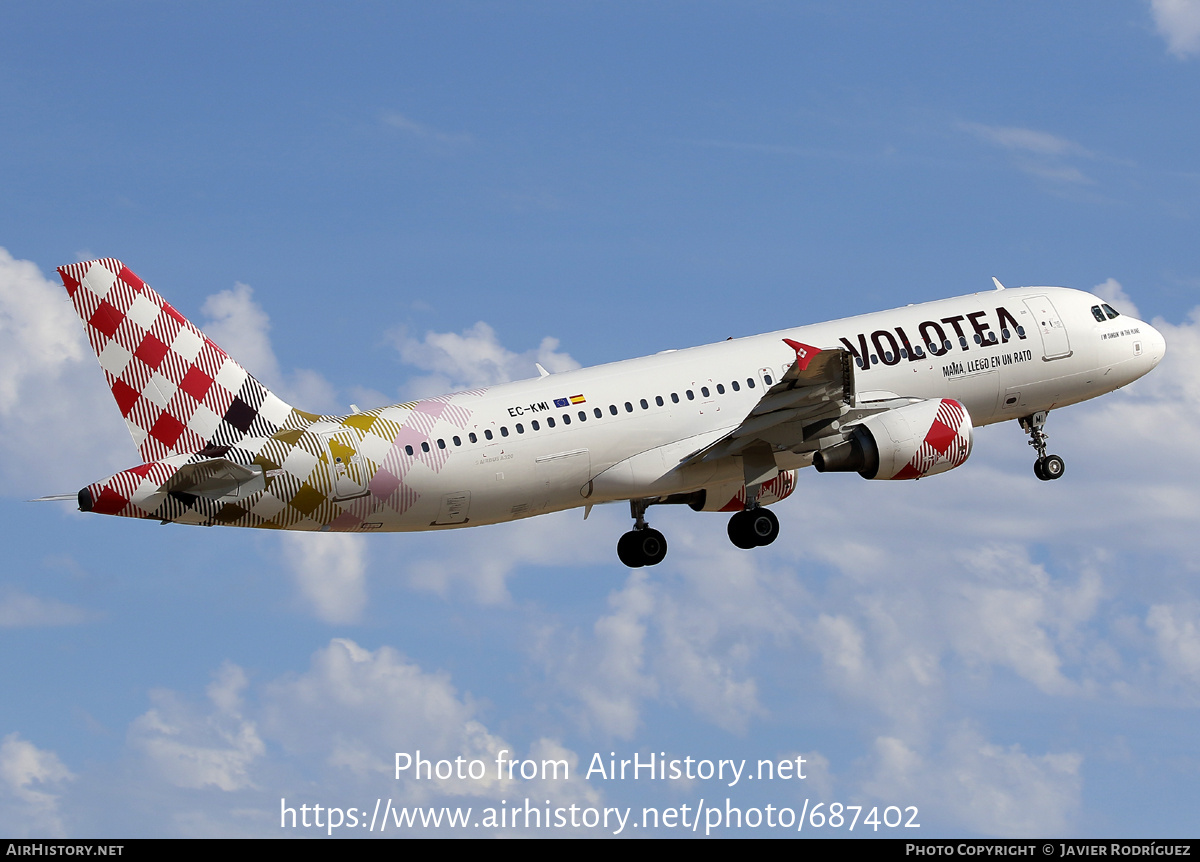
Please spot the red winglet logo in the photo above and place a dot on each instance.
(804, 352)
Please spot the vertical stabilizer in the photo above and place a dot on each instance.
(179, 392)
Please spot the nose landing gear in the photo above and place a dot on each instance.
(1046, 467)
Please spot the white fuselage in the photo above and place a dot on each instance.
(1003, 354)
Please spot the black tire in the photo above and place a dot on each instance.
(1053, 467)
(764, 526)
(652, 545)
(629, 551)
(741, 531)
(1037, 470)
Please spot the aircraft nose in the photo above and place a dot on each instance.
(1155, 345)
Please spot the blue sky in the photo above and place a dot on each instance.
(385, 200)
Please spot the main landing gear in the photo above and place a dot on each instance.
(641, 546)
(1046, 467)
(753, 528)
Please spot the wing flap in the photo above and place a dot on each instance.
(818, 385)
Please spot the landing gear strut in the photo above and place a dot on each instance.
(753, 528)
(641, 546)
(1046, 467)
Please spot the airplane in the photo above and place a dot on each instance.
(721, 428)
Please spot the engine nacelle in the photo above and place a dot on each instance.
(906, 443)
(731, 496)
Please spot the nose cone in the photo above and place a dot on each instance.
(1154, 346)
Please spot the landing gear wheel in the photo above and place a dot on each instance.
(753, 528)
(639, 548)
(765, 526)
(1052, 467)
(739, 531)
(653, 546)
(1046, 467)
(627, 550)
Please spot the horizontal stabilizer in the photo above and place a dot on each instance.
(216, 478)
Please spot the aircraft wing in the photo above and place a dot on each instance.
(816, 388)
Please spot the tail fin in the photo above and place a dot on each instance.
(178, 391)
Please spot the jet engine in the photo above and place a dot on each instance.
(905, 443)
(731, 496)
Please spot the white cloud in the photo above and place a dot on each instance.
(687, 633)
(974, 784)
(331, 572)
(1035, 152)
(472, 358)
(355, 709)
(22, 610)
(1176, 631)
(59, 428)
(329, 734)
(197, 751)
(421, 131)
(1178, 22)
(242, 329)
(607, 673)
(31, 781)
(477, 563)
(1025, 140)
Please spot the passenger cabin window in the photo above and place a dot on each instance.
(749, 382)
(674, 397)
(645, 404)
(658, 400)
(534, 424)
(720, 388)
(408, 450)
(628, 407)
(487, 433)
(549, 421)
(690, 395)
(582, 416)
(704, 391)
(738, 388)
(472, 437)
(425, 446)
(767, 377)
(457, 441)
(503, 430)
(597, 412)
(520, 428)
(441, 443)
(612, 408)
(566, 418)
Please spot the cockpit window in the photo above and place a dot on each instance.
(1110, 311)
(1098, 314)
